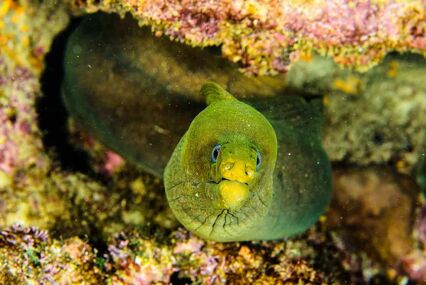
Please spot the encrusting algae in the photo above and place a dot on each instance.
(266, 36)
(84, 210)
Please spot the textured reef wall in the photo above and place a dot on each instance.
(376, 117)
(266, 36)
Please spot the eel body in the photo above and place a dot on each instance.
(251, 168)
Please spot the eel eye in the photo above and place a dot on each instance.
(215, 152)
(258, 160)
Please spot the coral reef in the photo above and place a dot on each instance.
(29, 256)
(414, 263)
(135, 258)
(373, 117)
(266, 36)
(373, 216)
(21, 63)
(186, 258)
(34, 190)
(373, 209)
(364, 126)
(23, 161)
(384, 120)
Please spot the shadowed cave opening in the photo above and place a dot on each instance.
(52, 114)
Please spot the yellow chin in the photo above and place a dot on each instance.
(233, 193)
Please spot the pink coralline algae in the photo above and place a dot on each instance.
(211, 266)
(184, 258)
(29, 256)
(140, 262)
(415, 265)
(21, 62)
(17, 117)
(112, 162)
(265, 37)
(17, 234)
(415, 262)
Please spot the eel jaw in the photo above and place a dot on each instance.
(232, 175)
(233, 193)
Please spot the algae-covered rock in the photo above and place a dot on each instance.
(373, 210)
(266, 36)
(184, 258)
(29, 256)
(35, 189)
(374, 117)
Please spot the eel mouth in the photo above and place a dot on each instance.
(233, 193)
(226, 179)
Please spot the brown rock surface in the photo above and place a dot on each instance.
(373, 210)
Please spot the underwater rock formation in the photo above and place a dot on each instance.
(29, 256)
(21, 60)
(414, 263)
(374, 117)
(266, 36)
(35, 189)
(24, 164)
(187, 259)
(373, 210)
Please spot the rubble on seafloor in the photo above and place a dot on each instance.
(111, 223)
(30, 255)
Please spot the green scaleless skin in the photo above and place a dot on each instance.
(236, 170)
(286, 193)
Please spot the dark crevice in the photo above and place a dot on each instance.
(53, 122)
(175, 279)
(52, 115)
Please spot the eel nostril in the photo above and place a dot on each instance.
(249, 171)
(228, 165)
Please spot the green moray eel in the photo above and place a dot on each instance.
(235, 168)
(238, 174)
